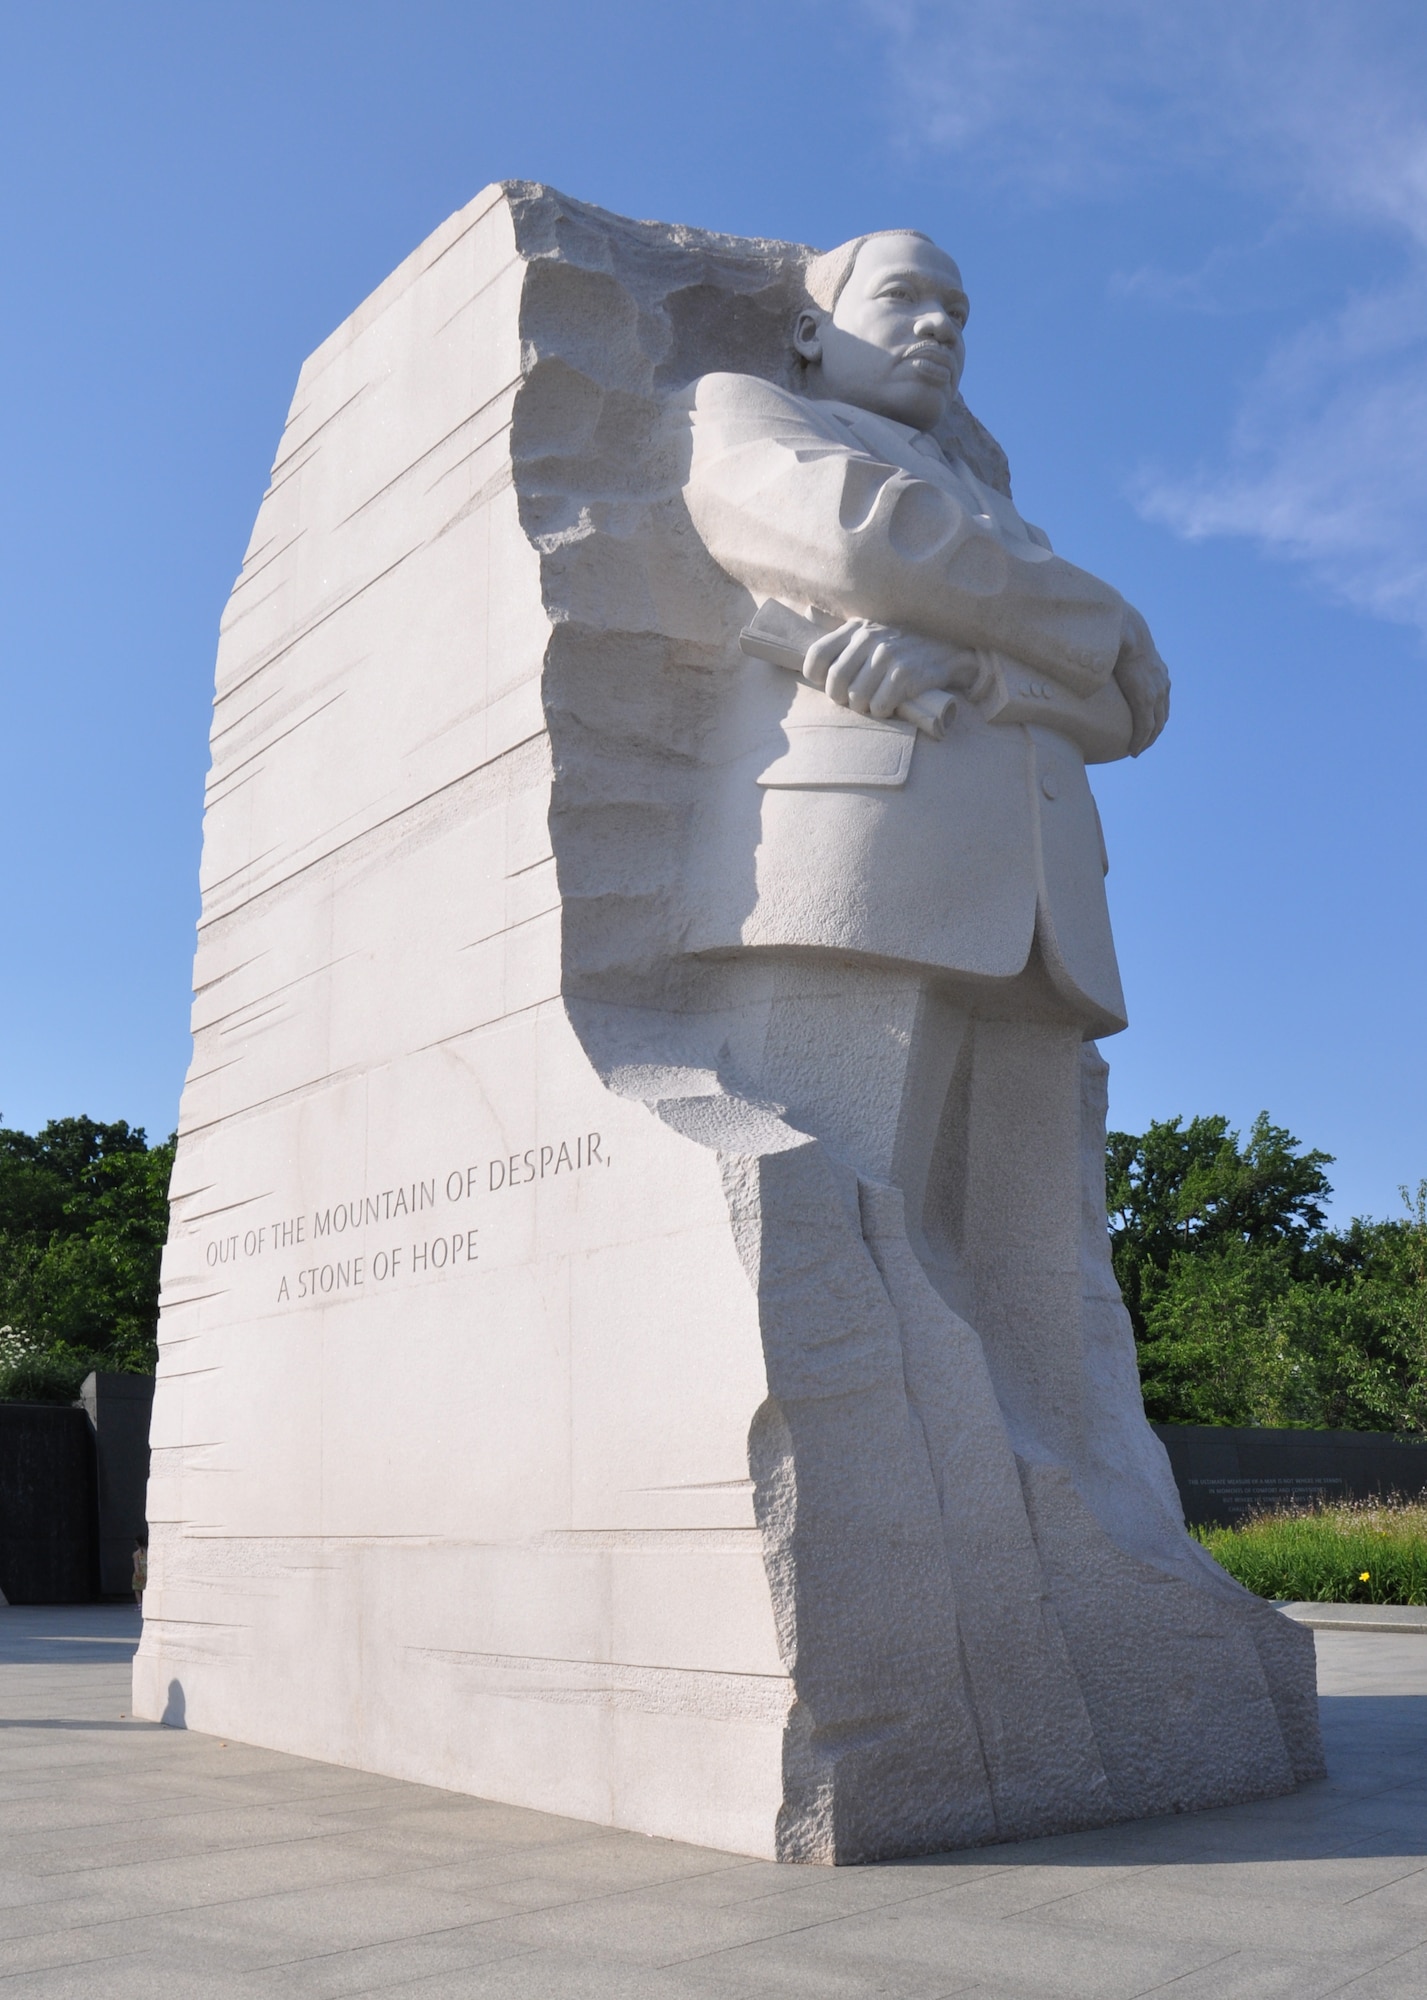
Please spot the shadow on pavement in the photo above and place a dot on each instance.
(68, 1635)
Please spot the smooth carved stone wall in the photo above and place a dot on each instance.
(504, 1438)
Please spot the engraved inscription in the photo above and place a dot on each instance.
(338, 1267)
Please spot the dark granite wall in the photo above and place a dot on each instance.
(1224, 1474)
(47, 1505)
(119, 1408)
(72, 1492)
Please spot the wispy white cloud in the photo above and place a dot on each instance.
(1261, 270)
(1321, 107)
(1327, 463)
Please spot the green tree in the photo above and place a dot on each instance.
(1194, 1189)
(1221, 1347)
(83, 1217)
(1247, 1308)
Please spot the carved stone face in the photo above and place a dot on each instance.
(893, 342)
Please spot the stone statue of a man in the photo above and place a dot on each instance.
(908, 952)
(938, 917)
(842, 499)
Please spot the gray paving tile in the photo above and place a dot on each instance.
(1156, 1908)
(552, 1975)
(1255, 1975)
(400, 1965)
(815, 1895)
(140, 1977)
(644, 1927)
(261, 1931)
(1403, 1978)
(933, 1939)
(804, 1966)
(42, 1950)
(279, 1873)
(1013, 1892)
(1401, 1900)
(329, 1963)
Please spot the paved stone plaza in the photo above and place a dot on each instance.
(143, 1861)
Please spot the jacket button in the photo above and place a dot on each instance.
(1048, 785)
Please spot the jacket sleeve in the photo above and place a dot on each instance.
(792, 508)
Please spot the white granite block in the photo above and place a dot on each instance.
(638, 1337)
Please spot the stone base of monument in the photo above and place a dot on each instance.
(541, 1412)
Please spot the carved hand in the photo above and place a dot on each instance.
(1143, 680)
(873, 668)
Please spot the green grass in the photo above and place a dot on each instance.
(1355, 1552)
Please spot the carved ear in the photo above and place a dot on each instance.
(807, 335)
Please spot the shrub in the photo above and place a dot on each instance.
(1350, 1552)
(33, 1372)
(83, 1215)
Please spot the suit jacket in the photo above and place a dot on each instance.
(955, 856)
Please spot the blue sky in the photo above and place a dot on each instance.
(1195, 240)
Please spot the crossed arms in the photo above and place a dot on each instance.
(792, 506)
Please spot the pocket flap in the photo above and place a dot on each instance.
(832, 753)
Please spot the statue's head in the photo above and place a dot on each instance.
(883, 326)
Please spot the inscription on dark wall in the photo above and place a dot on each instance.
(1225, 1474)
(310, 1254)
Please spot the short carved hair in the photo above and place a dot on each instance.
(827, 274)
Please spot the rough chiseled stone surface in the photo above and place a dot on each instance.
(622, 1354)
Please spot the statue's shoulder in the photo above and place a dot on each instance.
(749, 403)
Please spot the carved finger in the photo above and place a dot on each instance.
(824, 650)
(864, 690)
(1155, 710)
(846, 667)
(896, 685)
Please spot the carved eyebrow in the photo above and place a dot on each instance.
(947, 291)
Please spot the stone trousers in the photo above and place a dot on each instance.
(995, 1623)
